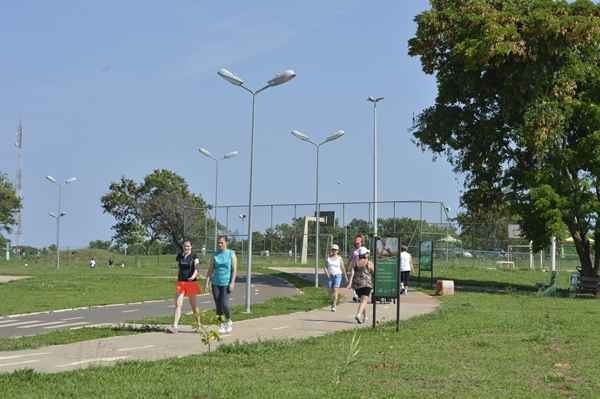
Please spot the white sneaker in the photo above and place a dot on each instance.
(229, 326)
(222, 328)
(357, 318)
(333, 309)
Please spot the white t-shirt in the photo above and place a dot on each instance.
(334, 265)
(405, 262)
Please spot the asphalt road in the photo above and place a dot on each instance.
(263, 288)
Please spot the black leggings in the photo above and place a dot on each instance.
(221, 297)
(404, 277)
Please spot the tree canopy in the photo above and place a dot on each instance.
(153, 210)
(518, 110)
(10, 204)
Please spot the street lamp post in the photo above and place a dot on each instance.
(304, 137)
(59, 213)
(375, 100)
(279, 79)
(207, 154)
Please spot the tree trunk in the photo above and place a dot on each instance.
(582, 245)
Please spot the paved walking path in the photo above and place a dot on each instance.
(263, 287)
(154, 346)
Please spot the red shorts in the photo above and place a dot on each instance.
(187, 288)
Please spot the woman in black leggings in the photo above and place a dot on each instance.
(221, 274)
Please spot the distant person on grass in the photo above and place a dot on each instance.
(221, 274)
(358, 243)
(405, 269)
(187, 284)
(334, 270)
(93, 263)
(361, 282)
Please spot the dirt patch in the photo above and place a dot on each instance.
(7, 279)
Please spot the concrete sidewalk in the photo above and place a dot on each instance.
(154, 346)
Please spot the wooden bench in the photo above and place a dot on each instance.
(588, 286)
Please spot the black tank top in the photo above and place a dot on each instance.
(187, 266)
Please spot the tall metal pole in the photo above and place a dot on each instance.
(318, 220)
(279, 79)
(58, 216)
(375, 224)
(375, 100)
(250, 204)
(216, 199)
(19, 187)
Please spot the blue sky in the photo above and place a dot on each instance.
(106, 89)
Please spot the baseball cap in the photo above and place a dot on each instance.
(335, 246)
(363, 251)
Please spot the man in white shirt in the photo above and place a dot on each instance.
(405, 269)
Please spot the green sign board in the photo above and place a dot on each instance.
(426, 256)
(386, 278)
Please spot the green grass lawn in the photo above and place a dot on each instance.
(153, 277)
(478, 345)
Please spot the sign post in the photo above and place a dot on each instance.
(386, 281)
(426, 258)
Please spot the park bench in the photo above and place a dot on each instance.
(584, 285)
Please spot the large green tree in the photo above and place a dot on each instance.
(518, 110)
(155, 210)
(10, 204)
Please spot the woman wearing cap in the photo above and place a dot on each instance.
(360, 280)
(187, 285)
(334, 270)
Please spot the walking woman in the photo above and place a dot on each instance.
(334, 270)
(221, 274)
(361, 282)
(187, 284)
(405, 269)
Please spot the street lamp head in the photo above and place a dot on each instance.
(282, 78)
(374, 99)
(242, 216)
(230, 77)
(230, 154)
(206, 153)
(338, 181)
(71, 180)
(334, 136)
(300, 135)
(52, 214)
(50, 178)
(63, 214)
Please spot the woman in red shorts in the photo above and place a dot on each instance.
(186, 283)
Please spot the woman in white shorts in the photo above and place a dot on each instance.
(334, 270)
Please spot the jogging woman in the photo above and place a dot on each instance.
(334, 270)
(187, 262)
(221, 274)
(360, 280)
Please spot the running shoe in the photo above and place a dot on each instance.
(357, 318)
(333, 309)
(229, 326)
(222, 328)
(171, 330)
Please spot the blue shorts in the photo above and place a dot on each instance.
(334, 281)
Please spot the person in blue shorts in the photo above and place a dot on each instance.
(334, 270)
